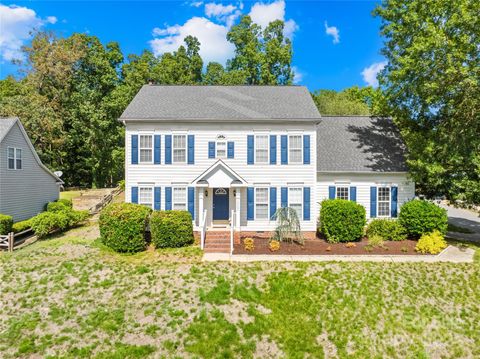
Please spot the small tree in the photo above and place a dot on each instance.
(288, 225)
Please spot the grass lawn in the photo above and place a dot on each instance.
(69, 194)
(70, 297)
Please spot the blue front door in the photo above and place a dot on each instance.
(220, 204)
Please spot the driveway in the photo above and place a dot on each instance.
(466, 219)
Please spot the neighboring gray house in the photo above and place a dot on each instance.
(26, 185)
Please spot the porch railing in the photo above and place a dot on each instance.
(232, 229)
(203, 229)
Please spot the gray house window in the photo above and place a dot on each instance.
(14, 158)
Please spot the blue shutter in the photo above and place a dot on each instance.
(284, 197)
(250, 205)
(158, 191)
(394, 202)
(211, 149)
(191, 201)
(168, 198)
(331, 192)
(156, 150)
(250, 142)
(273, 149)
(273, 201)
(306, 149)
(306, 203)
(353, 194)
(168, 149)
(373, 202)
(134, 149)
(230, 149)
(191, 149)
(134, 194)
(284, 149)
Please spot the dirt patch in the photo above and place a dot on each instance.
(267, 349)
(321, 246)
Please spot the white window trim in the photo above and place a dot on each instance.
(14, 158)
(268, 203)
(186, 197)
(342, 186)
(301, 148)
(389, 201)
(140, 187)
(145, 148)
(216, 148)
(301, 201)
(186, 148)
(255, 149)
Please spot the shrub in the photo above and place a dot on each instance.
(420, 217)
(57, 207)
(47, 222)
(432, 243)
(342, 220)
(375, 240)
(249, 244)
(122, 226)
(67, 202)
(274, 245)
(6, 223)
(388, 229)
(171, 229)
(21, 226)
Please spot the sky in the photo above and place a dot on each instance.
(336, 44)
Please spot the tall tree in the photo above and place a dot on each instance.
(432, 85)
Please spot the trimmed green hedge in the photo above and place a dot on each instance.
(22, 226)
(388, 229)
(171, 229)
(6, 223)
(342, 220)
(122, 226)
(60, 220)
(420, 217)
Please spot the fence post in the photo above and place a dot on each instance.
(10, 241)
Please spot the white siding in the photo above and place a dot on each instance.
(269, 175)
(24, 193)
(363, 182)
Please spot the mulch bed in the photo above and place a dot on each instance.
(321, 246)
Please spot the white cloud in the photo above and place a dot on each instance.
(16, 25)
(263, 14)
(196, 3)
(297, 75)
(333, 32)
(370, 73)
(223, 13)
(213, 39)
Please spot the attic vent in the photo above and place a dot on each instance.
(221, 137)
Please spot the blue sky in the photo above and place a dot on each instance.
(336, 43)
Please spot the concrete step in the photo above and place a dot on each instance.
(217, 250)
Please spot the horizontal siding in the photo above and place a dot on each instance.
(363, 182)
(269, 175)
(24, 193)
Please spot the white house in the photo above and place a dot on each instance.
(26, 185)
(232, 155)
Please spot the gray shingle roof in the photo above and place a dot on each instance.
(6, 124)
(221, 103)
(359, 144)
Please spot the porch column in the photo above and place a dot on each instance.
(238, 198)
(200, 205)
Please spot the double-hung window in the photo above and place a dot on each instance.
(261, 203)
(14, 158)
(145, 196)
(179, 198)
(261, 149)
(383, 201)
(295, 200)
(342, 192)
(179, 148)
(295, 147)
(221, 149)
(146, 148)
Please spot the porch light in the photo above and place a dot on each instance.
(234, 193)
(206, 193)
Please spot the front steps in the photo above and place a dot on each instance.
(217, 242)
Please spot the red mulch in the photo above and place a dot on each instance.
(321, 246)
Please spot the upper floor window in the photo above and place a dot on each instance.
(221, 149)
(261, 203)
(179, 148)
(14, 158)
(179, 198)
(146, 148)
(383, 201)
(261, 149)
(295, 148)
(342, 193)
(145, 196)
(295, 200)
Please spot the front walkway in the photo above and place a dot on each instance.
(451, 254)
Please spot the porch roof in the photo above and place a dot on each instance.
(219, 175)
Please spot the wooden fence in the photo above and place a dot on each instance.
(105, 200)
(11, 240)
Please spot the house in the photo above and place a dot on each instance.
(26, 185)
(232, 155)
